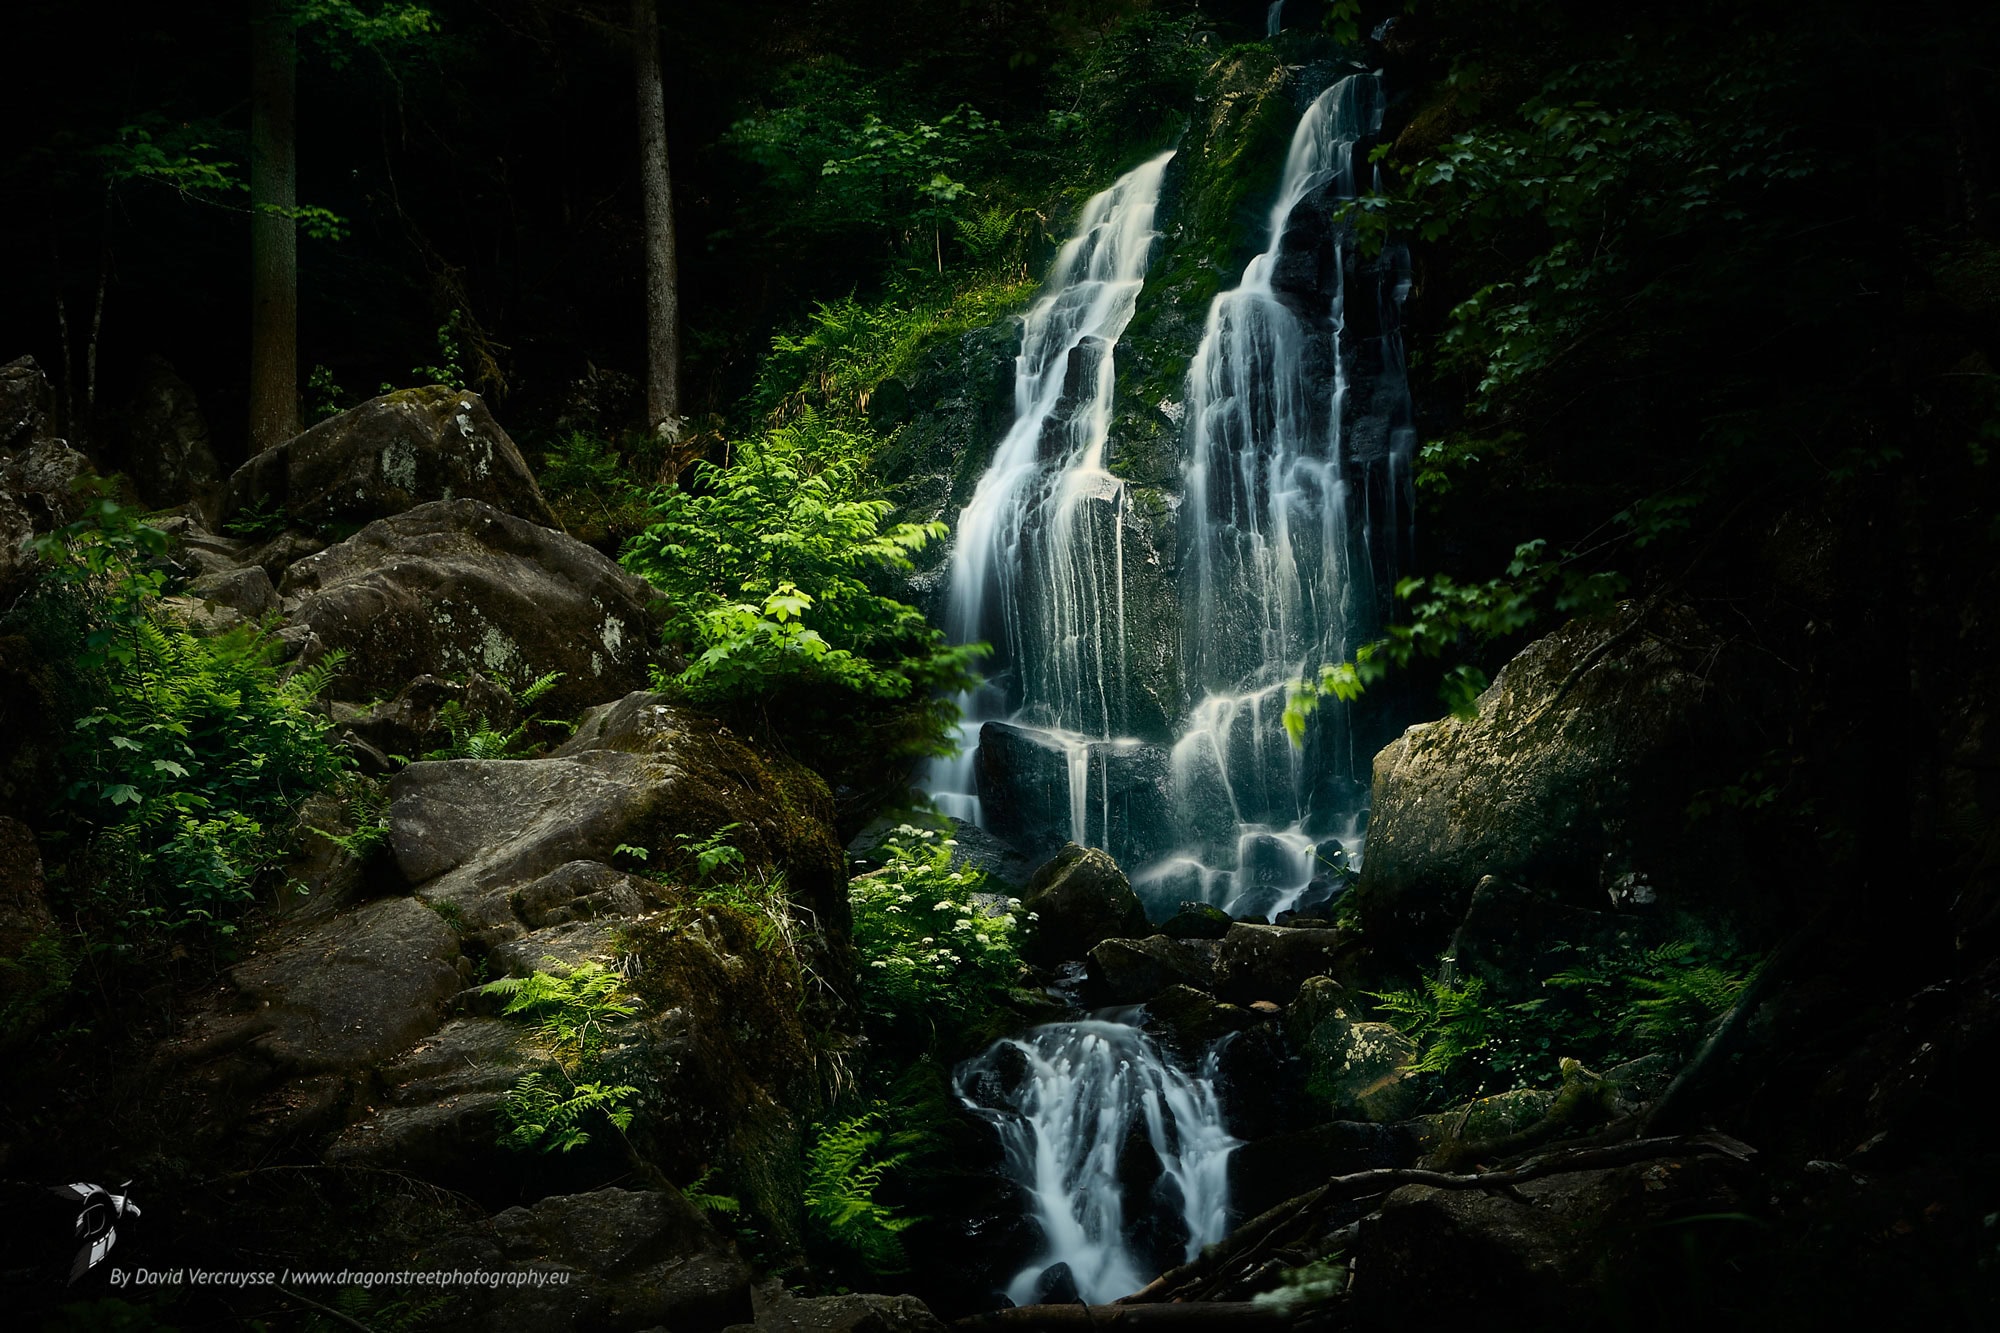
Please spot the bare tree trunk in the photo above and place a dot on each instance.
(656, 187)
(274, 266)
(89, 431)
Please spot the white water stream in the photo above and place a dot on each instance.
(1069, 1100)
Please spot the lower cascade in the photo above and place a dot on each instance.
(1122, 1152)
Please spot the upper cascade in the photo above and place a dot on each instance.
(1027, 571)
(1296, 503)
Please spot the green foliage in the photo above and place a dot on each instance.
(573, 1012)
(712, 853)
(768, 566)
(189, 754)
(262, 518)
(716, 1205)
(367, 810)
(590, 483)
(1445, 615)
(1605, 1009)
(928, 948)
(848, 1164)
(850, 165)
(33, 978)
(324, 396)
(848, 348)
(450, 369)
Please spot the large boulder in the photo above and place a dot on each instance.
(1574, 777)
(612, 1259)
(162, 442)
(457, 586)
(24, 402)
(390, 454)
(1078, 900)
(1025, 776)
(639, 772)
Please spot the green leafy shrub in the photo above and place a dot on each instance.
(188, 755)
(768, 562)
(573, 1012)
(927, 946)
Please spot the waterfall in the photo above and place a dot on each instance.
(1296, 465)
(1036, 569)
(1122, 1152)
(1297, 436)
(1274, 18)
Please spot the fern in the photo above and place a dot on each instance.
(1449, 1021)
(573, 1012)
(698, 1193)
(538, 1114)
(849, 1162)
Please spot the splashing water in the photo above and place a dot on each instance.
(1123, 1153)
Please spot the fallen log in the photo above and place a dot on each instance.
(1057, 1318)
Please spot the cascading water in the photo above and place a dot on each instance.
(1299, 439)
(1291, 524)
(1030, 572)
(1122, 1152)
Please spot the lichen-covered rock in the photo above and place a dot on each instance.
(1575, 774)
(1272, 962)
(246, 591)
(389, 455)
(43, 479)
(1197, 921)
(612, 1259)
(1126, 971)
(1079, 899)
(638, 772)
(457, 586)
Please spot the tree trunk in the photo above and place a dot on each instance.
(656, 187)
(274, 260)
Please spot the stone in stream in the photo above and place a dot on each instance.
(1126, 971)
(456, 586)
(1272, 962)
(389, 455)
(1080, 898)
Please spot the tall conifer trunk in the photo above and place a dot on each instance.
(656, 185)
(274, 267)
